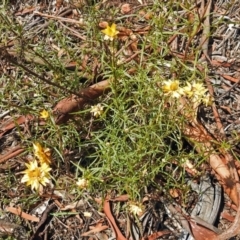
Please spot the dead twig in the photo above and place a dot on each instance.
(11, 123)
(73, 32)
(231, 88)
(43, 220)
(206, 30)
(12, 153)
(215, 111)
(79, 23)
(232, 79)
(18, 211)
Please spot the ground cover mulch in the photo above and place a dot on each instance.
(214, 198)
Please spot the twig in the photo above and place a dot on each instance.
(60, 18)
(13, 153)
(128, 59)
(231, 79)
(46, 24)
(206, 30)
(215, 111)
(4, 113)
(231, 88)
(43, 220)
(73, 32)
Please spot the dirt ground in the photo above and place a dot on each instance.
(209, 201)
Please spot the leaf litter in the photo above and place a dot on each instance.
(212, 38)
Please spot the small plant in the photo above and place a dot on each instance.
(128, 139)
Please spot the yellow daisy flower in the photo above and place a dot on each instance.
(35, 175)
(199, 89)
(43, 154)
(44, 114)
(110, 32)
(188, 90)
(172, 88)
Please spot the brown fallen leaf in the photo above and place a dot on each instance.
(18, 211)
(98, 228)
(111, 220)
(126, 8)
(74, 205)
(11, 153)
(74, 103)
(227, 216)
(231, 205)
(201, 233)
(102, 236)
(156, 235)
(226, 179)
(10, 124)
(230, 78)
(121, 198)
(234, 229)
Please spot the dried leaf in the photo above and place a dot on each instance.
(228, 182)
(156, 235)
(111, 220)
(102, 236)
(75, 103)
(12, 153)
(8, 228)
(202, 233)
(203, 143)
(98, 228)
(74, 205)
(18, 211)
(227, 216)
(122, 198)
(12, 123)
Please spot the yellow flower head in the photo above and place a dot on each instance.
(172, 88)
(207, 100)
(44, 114)
(110, 32)
(136, 209)
(97, 110)
(188, 90)
(42, 154)
(199, 89)
(35, 175)
(82, 183)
